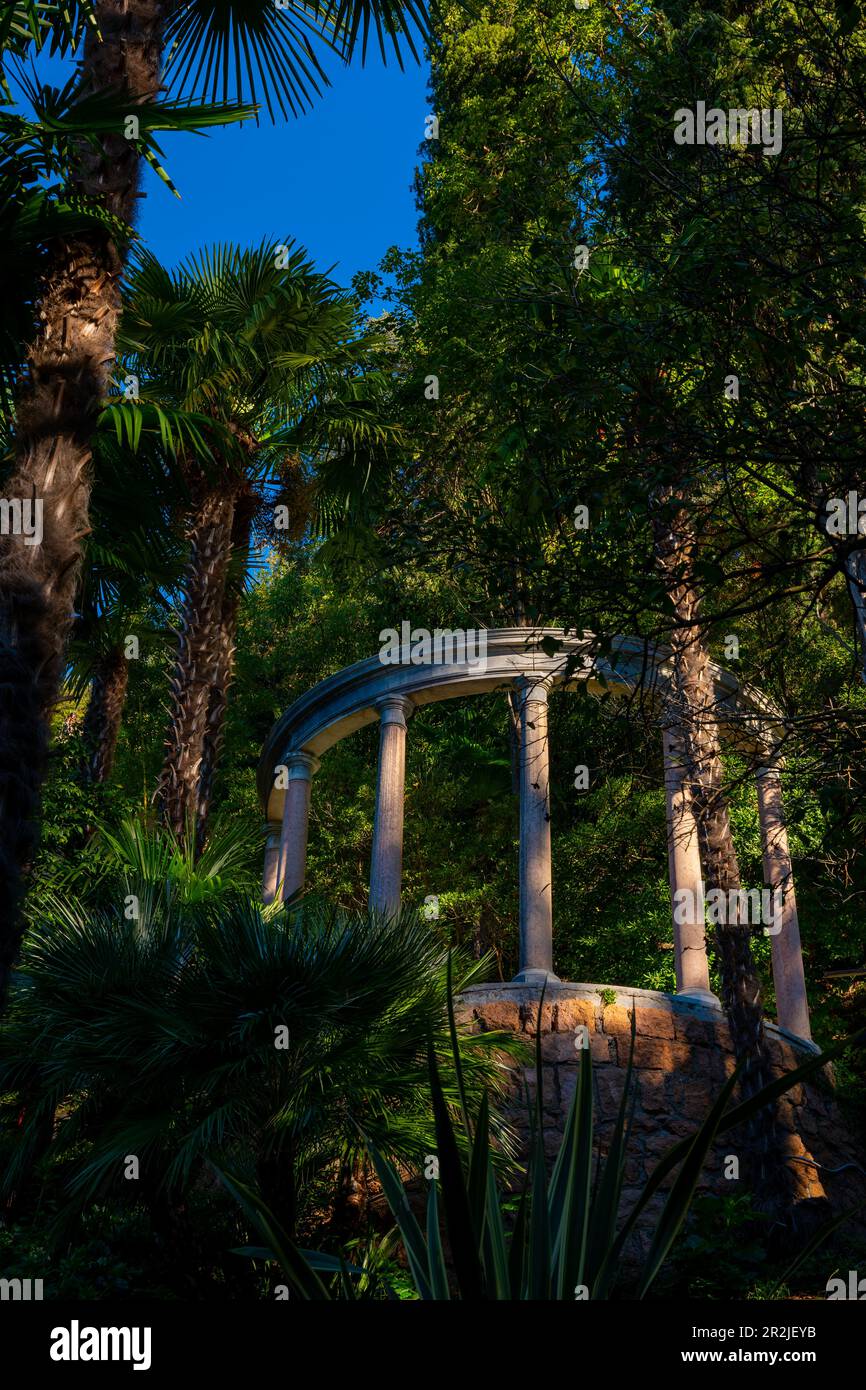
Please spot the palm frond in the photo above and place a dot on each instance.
(258, 51)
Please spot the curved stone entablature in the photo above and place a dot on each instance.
(529, 662)
(349, 700)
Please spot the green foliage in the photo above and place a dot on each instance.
(89, 1270)
(721, 1254)
(172, 1018)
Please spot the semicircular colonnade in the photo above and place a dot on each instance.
(454, 663)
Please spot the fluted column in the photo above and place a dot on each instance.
(686, 878)
(386, 868)
(270, 877)
(296, 818)
(536, 874)
(792, 1006)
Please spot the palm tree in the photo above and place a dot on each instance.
(266, 1039)
(692, 715)
(70, 356)
(269, 350)
(132, 570)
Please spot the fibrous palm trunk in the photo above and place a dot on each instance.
(69, 366)
(104, 714)
(200, 655)
(692, 716)
(214, 733)
(855, 570)
(851, 560)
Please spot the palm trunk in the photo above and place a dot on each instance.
(855, 570)
(692, 715)
(277, 1180)
(68, 371)
(214, 733)
(851, 562)
(104, 714)
(197, 664)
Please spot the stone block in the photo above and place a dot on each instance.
(560, 1047)
(496, 1016)
(529, 1018)
(603, 1049)
(659, 1142)
(657, 1052)
(615, 1019)
(572, 1013)
(567, 1085)
(696, 1031)
(782, 1056)
(609, 1086)
(464, 1014)
(635, 1172)
(654, 1023)
(692, 1094)
(653, 1096)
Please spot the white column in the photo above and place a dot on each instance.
(686, 878)
(792, 1006)
(536, 874)
(386, 868)
(296, 817)
(272, 863)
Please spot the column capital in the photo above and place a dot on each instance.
(395, 709)
(531, 687)
(301, 766)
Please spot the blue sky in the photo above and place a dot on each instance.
(337, 179)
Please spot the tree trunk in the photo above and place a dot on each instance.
(692, 716)
(197, 664)
(855, 570)
(214, 733)
(277, 1180)
(104, 714)
(69, 367)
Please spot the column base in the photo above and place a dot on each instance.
(536, 977)
(700, 996)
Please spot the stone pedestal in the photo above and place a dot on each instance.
(682, 1056)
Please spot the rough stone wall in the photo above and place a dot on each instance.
(682, 1055)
